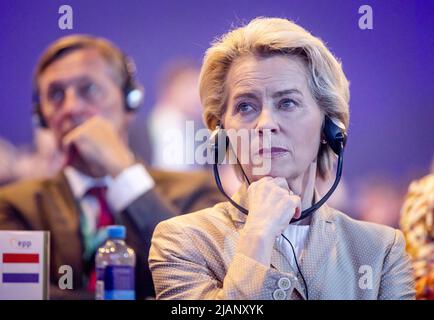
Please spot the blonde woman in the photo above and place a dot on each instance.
(273, 76)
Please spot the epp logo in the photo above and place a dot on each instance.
(20, 244)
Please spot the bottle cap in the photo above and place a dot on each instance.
(116, 232)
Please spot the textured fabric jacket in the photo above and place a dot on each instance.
(194, 257)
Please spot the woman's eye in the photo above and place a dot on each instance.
(244, 107)
(287, 104)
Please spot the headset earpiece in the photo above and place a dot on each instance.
(335, 135)
(218, 145)
(134, 95)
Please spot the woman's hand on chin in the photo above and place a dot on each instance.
(271, 206)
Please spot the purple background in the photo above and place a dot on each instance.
(390, 68)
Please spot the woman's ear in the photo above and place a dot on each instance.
(219, 122)
(323, 139)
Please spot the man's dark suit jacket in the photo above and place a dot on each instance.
(49, 205)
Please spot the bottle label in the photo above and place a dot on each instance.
(117, 282)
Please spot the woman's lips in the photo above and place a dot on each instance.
(273, 152)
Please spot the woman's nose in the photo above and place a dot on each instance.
(267, 122)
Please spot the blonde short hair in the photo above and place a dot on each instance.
(264, 37)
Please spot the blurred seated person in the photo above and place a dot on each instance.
(85, 93)
(417, 223)
(19, 163)
(8, 155)
(176, 117)
(377, 199)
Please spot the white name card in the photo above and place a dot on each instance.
(24, 265)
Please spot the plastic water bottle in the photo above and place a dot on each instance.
(115, 267)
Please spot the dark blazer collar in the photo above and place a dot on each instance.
(62, 217)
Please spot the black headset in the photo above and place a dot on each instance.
(335, 136)
(133, 93)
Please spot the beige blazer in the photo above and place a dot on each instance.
(194, 257)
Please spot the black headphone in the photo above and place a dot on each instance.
(133, 93)
(335, 136)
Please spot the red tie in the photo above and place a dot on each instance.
(105, 218)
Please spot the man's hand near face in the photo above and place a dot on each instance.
(97, 149)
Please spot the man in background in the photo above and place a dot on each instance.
(85, 93)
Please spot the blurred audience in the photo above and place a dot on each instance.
(377, 199)
(42, 160)
(176, 117)
(8, 155)
(340, 197)
(417, 223)
(46, 158)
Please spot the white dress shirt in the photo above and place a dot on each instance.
(121, 190)
(297, 234)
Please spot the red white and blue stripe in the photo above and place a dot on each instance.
(20, 267)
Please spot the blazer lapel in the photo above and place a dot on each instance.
(62, 216)
(320, 246)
